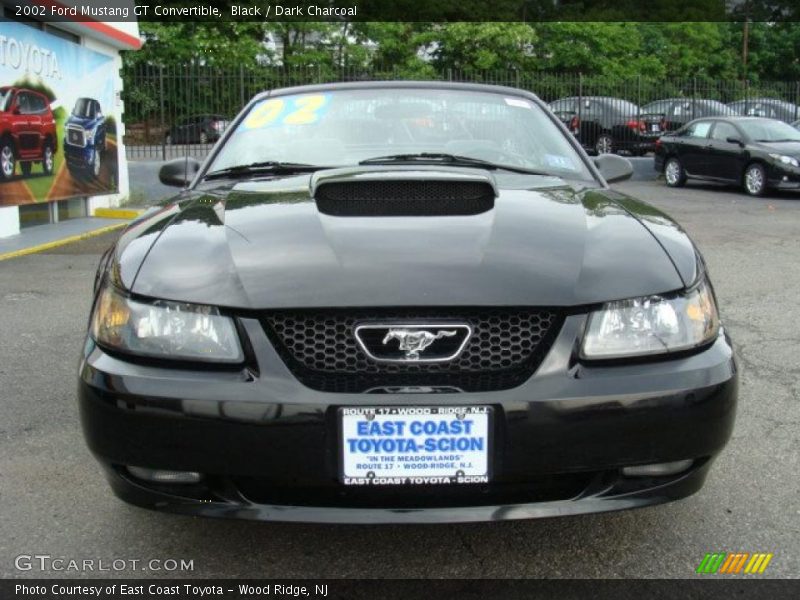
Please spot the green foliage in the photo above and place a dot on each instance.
(605, 49)
(111, 125)
(37, 85)
(218, 44)
(187, 68)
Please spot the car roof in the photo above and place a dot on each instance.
(395, 84)
(737, 118)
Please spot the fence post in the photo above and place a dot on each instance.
(241, 86)
(161, 111)
(796, 99)
(694, 96)
(638, 99)
(580, 106)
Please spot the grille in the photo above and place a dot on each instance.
(404, 198)
(75, 136)
(320, 348)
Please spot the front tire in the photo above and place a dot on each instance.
(755, 179)
(674, 174)
(604, 144)
(95, 166)
(8, 161)
(48, 160)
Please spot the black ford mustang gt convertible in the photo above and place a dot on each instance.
(403, 302)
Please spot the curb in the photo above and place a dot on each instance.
(62, 242)
(117, 213)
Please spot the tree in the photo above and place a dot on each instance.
(480, 46)
(218, 44)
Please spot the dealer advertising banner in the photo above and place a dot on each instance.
(58, 133)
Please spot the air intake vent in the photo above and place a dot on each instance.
(404, 198)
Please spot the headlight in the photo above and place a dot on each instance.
(787, 160)
(651, 325)
(164, 329)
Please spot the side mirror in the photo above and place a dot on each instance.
(734, 140)
(178, 172)
(16, 111)
(613, 168)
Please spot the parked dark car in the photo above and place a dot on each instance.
(605, 125)
(677, 112)
(403, 302)
(756, 153)
(199, 129)
(85, 138)
(767, 107)
(27, 132)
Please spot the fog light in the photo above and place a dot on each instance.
(657, 469)
(161, 476)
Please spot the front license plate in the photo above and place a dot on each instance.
(401, 445)
(655, 127)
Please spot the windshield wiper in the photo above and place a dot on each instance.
(451, 159)
(272, 167)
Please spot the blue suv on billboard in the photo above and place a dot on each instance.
(85, 138)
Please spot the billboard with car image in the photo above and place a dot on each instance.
(57, 118)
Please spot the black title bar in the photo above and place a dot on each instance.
(404, 10)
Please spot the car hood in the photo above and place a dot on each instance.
(85, 122)
(265, 244)
(787, 148)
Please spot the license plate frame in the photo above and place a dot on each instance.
(473, 466)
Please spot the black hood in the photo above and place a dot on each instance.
(786, 148)
(265, 244)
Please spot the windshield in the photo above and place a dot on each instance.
(5, 97)
(345, 127)
(769, 130)
(83, 108)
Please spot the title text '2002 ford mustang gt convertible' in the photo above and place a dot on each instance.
(403, 302)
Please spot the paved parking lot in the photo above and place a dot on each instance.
(54, 500)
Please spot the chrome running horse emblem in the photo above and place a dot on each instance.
(414, 342)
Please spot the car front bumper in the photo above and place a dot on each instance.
(268, 447)
(783, 177)
(78, 156)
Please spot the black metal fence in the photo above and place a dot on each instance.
(174, 111)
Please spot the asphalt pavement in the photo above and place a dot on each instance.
(54, 500)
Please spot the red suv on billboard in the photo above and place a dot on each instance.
(27, 131)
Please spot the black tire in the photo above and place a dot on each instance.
(48, 159)
(604, 144)
(95, 166)
(754, 179)
(8, 159)
(25, 167)
(674, 173)
(76, 173)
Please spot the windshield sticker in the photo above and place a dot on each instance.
(559, 162)
(287, 110)
(518, 102)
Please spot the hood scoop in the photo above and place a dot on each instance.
(403, 192)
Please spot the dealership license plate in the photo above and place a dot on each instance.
(401, 445)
